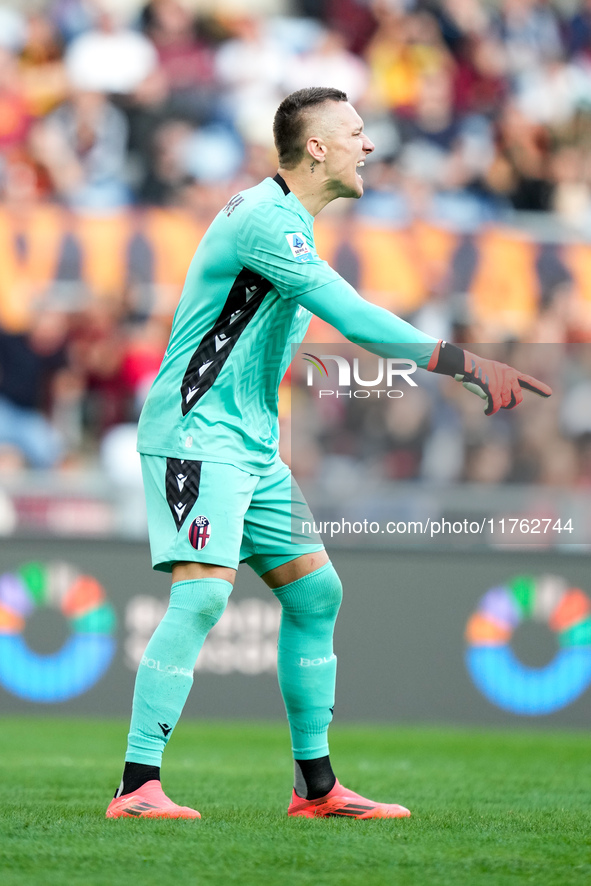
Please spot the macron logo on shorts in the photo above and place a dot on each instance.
(299, 248)
(199, 532)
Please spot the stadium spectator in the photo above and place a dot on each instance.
(553, 92)
(42, 70)
(142, 355)
(251, 68)
(329, 62)
(98, 340)
(110, 57)
(461, 21)
(480, 82)
(12, 29)
(30, 365)
(578, 32)
(72, 17)
(164, 170)
(354, 20)
(520, 169)
(186, 59)
(82, 147)
(571, 191)
(15, 115)
(530, 32)
(444, 149)
(404, 47)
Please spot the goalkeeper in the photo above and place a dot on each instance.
(216, 490)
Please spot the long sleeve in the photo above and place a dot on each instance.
(374, 328)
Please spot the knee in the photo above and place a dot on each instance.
(330, 594)
(318, 592)
(206, 600)
(213, 604)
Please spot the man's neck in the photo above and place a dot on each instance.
(312, 189)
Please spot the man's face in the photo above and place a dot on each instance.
(345, 147)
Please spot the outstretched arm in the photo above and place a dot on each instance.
(265, 246)
(374, 328)
(387, 335)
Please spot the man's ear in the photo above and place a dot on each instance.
(316, 149)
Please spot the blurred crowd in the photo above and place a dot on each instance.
(479, 110)
(476, 107)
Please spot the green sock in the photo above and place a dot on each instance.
(306, 663)
(165, 674)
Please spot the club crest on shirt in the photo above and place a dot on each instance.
(299, 248)
(199, 532)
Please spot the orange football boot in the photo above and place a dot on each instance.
(149, 801)
(342, 803)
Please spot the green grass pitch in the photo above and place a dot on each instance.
(489, 807)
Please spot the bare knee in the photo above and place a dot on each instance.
(190, 571)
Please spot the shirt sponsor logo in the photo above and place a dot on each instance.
(299, 248)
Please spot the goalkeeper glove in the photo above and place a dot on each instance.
(500, 385)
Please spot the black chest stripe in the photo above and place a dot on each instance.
(244, 299)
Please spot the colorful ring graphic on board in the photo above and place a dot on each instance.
(495, 669)
(86, 654)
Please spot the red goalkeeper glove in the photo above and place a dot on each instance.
(500, 385)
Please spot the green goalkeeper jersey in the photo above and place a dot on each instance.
(248, 296)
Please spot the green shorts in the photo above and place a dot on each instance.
(207, 512)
